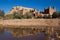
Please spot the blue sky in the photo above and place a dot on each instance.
(6, 5)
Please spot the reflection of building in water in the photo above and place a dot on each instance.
(34, 12)
(1, 30)
(58, 33)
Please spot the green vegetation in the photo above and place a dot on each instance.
(27, 15)
(9, 16)
(56, 15)
(40, 16)
(45, 16)
(49, 16)
(16, 15)
(2, 13)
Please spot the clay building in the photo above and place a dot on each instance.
(20, 9)
(34, 12)
(49, 10)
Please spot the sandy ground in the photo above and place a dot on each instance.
(30, 22)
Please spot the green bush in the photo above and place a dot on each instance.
(49, 16)
(59, 14)
(54, 15)
(40, 16)
(45, 16)
(15, 15)
(18, 16)
(9, 16)
(27, 16)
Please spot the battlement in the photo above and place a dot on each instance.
(49, 10)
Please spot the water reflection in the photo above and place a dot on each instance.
(22, 34)
(1, 30)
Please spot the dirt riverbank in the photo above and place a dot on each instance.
(29, 22)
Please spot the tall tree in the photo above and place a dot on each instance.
(2, 13)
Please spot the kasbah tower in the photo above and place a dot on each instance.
(33, 12)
